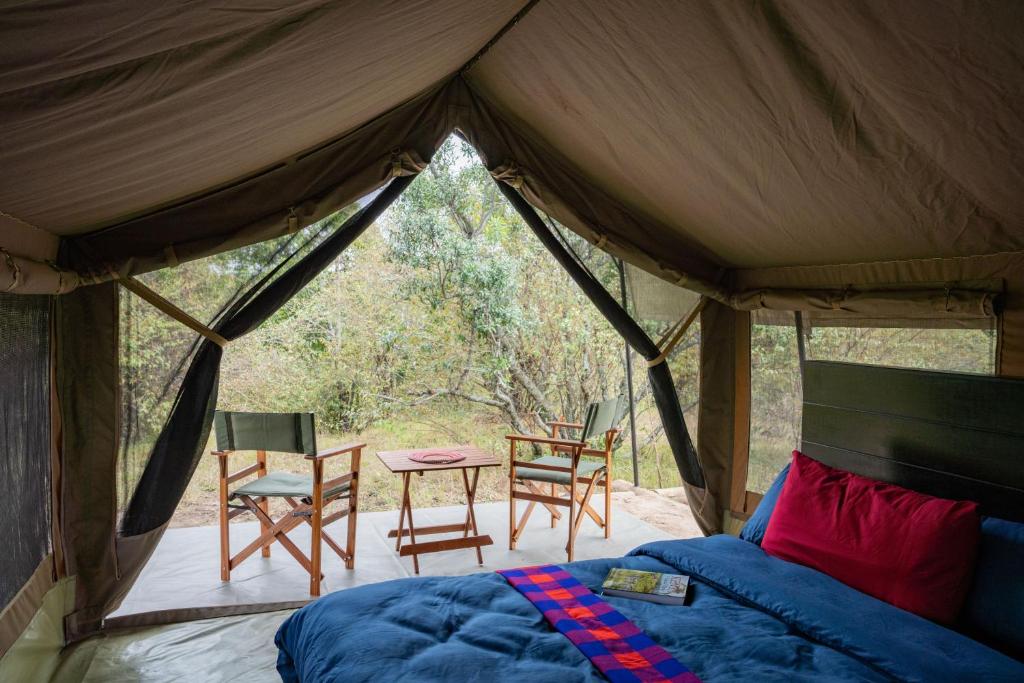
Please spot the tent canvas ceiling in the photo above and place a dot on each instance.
(113, 109)
(761, 134)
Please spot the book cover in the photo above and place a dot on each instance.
(666, 589)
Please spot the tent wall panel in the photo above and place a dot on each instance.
(87, 385)
(24, 438)
(785, 132)
(716, 424)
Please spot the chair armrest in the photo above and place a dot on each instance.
(565, 425)
(545, 440)
(337, 450)
(223, 454)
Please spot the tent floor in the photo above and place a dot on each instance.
(184, 572)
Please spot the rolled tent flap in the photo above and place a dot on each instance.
(20, 275)
(924, 303)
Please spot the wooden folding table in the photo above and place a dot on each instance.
(400, 462)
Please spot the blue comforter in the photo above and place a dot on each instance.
(751, 618)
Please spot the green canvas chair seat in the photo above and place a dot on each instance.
(584, 469)
(284, 485)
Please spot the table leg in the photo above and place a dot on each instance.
(412, 527)
(470, 514)
(401, 510)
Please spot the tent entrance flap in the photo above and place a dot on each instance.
(168, 472)
(660, 376)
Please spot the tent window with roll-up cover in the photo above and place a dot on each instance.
(828, 158)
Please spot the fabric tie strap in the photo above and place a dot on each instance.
(614, 644)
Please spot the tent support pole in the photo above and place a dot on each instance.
(629, 379)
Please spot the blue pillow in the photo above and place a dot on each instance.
(755, 527)
(994, 611)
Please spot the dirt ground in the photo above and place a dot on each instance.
(665, 509)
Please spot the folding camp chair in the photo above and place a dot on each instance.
(307, 496)
(563, 470)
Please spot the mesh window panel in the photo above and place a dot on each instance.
(967, 349)
(24, 437)
(156, 350)
(776, 393)
(655, 305)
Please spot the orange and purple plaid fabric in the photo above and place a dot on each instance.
(615, 645)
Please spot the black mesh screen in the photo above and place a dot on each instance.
(24, 437)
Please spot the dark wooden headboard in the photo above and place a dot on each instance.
(945, 434)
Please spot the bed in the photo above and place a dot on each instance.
(751, 616)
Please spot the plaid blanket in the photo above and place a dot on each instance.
(614, 644)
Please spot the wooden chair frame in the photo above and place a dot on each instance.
(309, 510)
(577, 502)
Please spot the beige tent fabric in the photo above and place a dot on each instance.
(716, 414)
(16, 615)
(281, 200)
(26, 240)
(20, 275)
(112, 110)
(781, 133)
(651, 298)
(551, 183)
(719, 134)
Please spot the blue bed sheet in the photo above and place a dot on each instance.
(751, 618)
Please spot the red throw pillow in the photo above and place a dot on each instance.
(911, 550)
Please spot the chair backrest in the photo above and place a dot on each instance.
(603, 416)
(283, 432)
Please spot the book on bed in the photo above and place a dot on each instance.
(665, 589)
